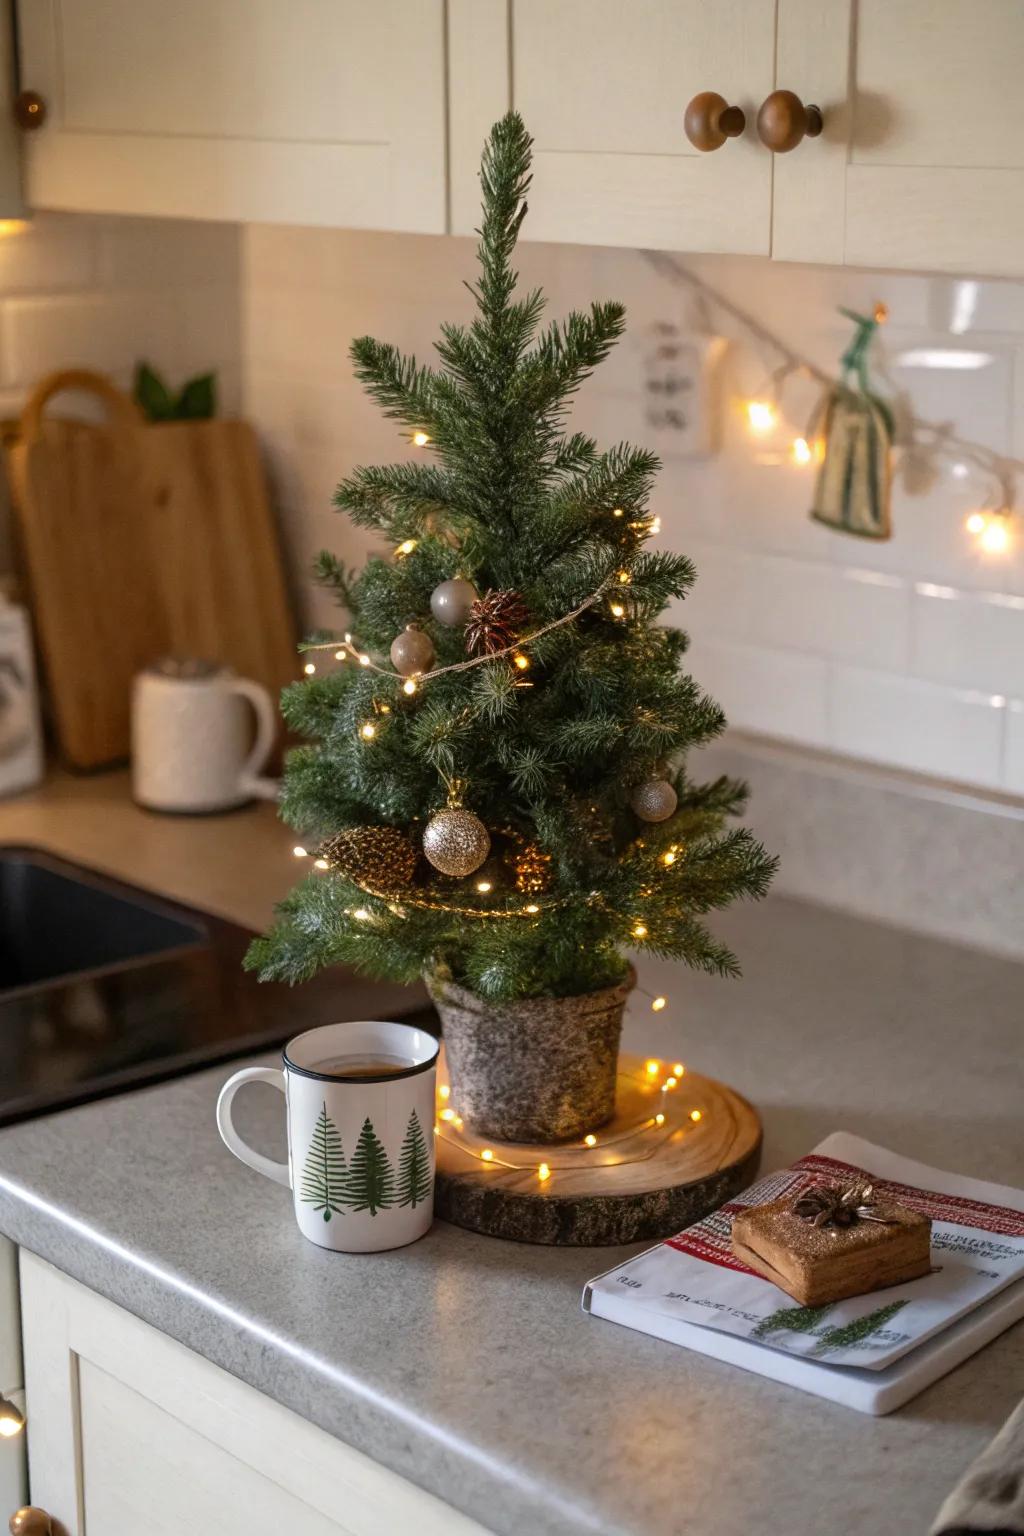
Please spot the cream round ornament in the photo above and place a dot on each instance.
(455, 841)
(451, 601)
(653, 800)
(412, 651)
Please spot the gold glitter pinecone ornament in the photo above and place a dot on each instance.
(455, 841)
(533, 869)
(377, 858)
(494, 622)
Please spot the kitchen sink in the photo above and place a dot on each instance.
(56, 922)
(105, 987)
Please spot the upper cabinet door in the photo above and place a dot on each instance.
(921, 163)
(603, 87)
(306, 112)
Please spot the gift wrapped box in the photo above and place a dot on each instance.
(829, 1243)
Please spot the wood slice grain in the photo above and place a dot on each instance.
(638, 1182)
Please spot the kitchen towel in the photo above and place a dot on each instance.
(989, 1498)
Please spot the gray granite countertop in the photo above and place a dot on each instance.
(466, 1365)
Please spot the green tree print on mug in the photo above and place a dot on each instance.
(370, 1185)
(323, 1174)
(413, 1166)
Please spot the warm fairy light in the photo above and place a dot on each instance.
(670, 1082)
(995, 536)
(309, 668)
(543, 1172)
(409, 686)
(447, 1114)
(348, 638)
(533, 907)
(659, 1119)
(695, 1115)
(617, 512)
(976, 522)
(340, 655)
(385, 709)
(421, 438)
(361, 914)
(761, 415)
(445, 1091)
(801, 451)
(487, 1155)
(458, 1122)
(364, 660)
(320, 864)
(655, 524)
(678, 1069)
(624, 578)
(368, 731)
(639, 930)
(668, 858)
(406, 547)
(590, 1140)
(658, 1003)
(652, 1068)
(299, 851)
(483, 886)
(521, 661)
(617, 610)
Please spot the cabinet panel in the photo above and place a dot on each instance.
(321, 111)
(130, 1431)
(921, 163)
(603, 88)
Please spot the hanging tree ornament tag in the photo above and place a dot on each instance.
(854, 487)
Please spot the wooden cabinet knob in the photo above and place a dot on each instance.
(29, 109)
(709, 121)
(30, 1521)
(784, 120)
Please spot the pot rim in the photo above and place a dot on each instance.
(442, 991)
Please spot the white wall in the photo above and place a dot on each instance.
(908, 653)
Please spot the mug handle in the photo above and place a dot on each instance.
(249, 779)
(280, 1172)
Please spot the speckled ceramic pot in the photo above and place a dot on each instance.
(541, 1070)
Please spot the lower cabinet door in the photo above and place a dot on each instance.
(129, 1431)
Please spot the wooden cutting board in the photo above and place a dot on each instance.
(141, 540)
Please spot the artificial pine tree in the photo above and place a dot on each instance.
(413, 1166)
(370, 1185)
(323, 1173)
(559, 750)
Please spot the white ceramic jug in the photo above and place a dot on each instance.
(192, 740)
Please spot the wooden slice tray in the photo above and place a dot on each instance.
(639, 1181)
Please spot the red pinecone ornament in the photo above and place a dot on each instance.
(494, 622)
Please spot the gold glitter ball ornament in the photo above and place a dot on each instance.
(653, 800)
(377, 858)
(456, 842)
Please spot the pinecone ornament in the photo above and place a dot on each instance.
(378, 858)
(494, 622)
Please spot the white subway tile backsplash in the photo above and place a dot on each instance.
(800, 631)
(946, 732)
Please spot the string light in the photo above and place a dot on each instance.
(368, 731)
(447, 1114)
(801, 451)
(669, 858)
(639, 930)
(617, 609)
(543, 1172)
(976, 522)
(678, 1069)
(618, 512)
(483, 886)
(762, 416)
(487, 1155)
(361, 914)
(406, 547)
(992, 531)
(340, 655)
(445, 1091)
(409, 686)
(590, 1140)
(300, 852)
(658, 1003)
(521, 661)
(364, 660)
(624, 578)
(421, 438)
(695, 1115)
(531, 908)
(670, 1082)
(652, 1068)
(320, 864)
(309, 668)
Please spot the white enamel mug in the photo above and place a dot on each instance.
(193, 747)
(360, 1148)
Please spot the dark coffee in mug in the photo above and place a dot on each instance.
(367, 1065)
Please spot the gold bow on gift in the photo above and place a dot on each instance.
(838, 1205)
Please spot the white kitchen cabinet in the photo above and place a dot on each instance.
(603, 88)
(130, 1431)
(313, 112)
(921, 163)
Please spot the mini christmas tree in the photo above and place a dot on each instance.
(370, 1185)
(323, 1173)
(498, 779)
(413, 1166)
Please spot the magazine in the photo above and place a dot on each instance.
(873, 1351)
